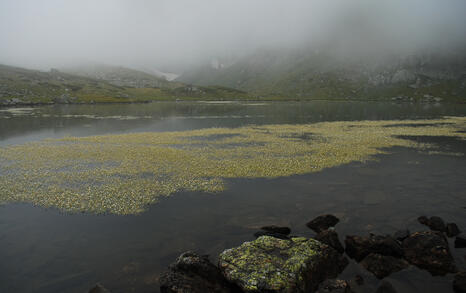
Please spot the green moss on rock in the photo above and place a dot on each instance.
(269, 264)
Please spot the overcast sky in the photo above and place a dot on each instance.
(52, 33)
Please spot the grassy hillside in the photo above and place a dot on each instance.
(303, 75)
(23, 86)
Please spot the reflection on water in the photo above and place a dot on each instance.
(43, 250)
(82, 120)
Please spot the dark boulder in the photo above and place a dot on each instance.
(460, 241)
(452, 230)
(429, 250)
(401, 235)
(322, 223)
(358, 247)
(334, 286)
(330, 237)
(434, 223)
(382, 265)
(277, 229)
(459, 283)
(98, 289)
(194, 273)
(385, 287)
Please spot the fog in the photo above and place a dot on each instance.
(175, 34)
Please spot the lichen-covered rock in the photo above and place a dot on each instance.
(330, 237)
(429, 250)
(322, 223)
(382, 265)
(192, 273)
(269, 264)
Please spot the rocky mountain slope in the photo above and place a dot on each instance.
(318, 75)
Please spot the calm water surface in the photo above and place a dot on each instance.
(46, 250)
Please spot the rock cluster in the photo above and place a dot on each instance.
(277, 262)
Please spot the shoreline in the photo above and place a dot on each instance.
(213, 101)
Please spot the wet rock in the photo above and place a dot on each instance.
(330, 237)
(459, 283)
(271, 234)
(98, 288)
(401, 235)
(460, 241)
(434, 223)
(385, 287)
(429, 250)
(269, 264)
(322, 223)
(382, 266)
(358, 247)
(194, 273)
(334, 286)
(452, 230)
(277, 229)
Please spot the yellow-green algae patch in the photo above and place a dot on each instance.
(122, 174)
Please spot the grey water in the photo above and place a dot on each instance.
(48, 250)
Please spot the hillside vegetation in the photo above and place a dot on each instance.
(23, 86)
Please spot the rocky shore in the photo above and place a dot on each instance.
(279, 262)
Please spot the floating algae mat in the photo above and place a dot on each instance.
(122, 174)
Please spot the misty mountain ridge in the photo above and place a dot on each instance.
(320, 75)
(122, 76)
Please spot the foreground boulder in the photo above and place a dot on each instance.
(322, 223)
(358, 247)
(429, 250)
(194, 273)
(269, 264)
(382, 265)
